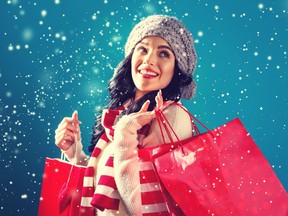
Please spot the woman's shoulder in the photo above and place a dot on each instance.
(178, 118)
(176, 114)
(176, 108)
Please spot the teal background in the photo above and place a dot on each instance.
(57, 56)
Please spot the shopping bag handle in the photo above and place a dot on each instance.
(163, 121)
(192, 117)
(64, 197)
(75, 161)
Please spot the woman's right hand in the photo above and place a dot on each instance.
(68, 132)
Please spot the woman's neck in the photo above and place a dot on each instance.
(139, 94)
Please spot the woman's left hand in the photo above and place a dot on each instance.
(143, 116)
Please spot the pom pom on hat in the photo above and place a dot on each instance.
(178, 37)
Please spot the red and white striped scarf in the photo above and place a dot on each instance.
(104, 194)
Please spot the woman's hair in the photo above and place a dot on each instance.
(121, 88)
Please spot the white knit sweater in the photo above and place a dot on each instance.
(125, 150)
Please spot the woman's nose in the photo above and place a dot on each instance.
(150, 59)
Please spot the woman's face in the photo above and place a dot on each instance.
(152, 65)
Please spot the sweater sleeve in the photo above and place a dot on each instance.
(126, 164)
(126, 152)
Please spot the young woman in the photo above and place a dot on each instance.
(157, 70)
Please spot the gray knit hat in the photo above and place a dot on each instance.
(178, 37)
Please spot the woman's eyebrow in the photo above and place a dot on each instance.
(159, 47)
(164, 47)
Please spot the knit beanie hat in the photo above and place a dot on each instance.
(177, 36)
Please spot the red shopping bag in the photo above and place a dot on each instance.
(221, 172)
(61, 188)
(156, 200)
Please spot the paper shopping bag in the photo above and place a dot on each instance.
(222, 172)
(61, 188)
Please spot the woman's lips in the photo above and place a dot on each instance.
(148, 74)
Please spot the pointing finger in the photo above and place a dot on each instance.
(75, 117)
(145, 106)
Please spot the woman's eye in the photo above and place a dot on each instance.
(164, 54)
(142, 50)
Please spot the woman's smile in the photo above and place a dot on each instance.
(148, 73)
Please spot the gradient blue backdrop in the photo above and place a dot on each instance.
(57, 56)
